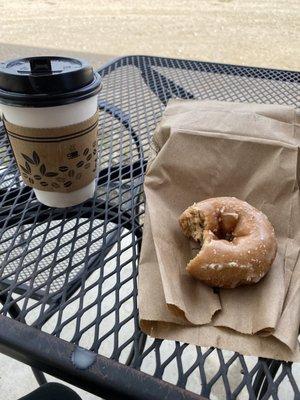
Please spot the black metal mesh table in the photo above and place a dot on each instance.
(72, 273)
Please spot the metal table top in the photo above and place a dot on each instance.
(68, 277)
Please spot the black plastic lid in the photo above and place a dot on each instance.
(46, 81)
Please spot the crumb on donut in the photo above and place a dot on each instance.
(193, 225)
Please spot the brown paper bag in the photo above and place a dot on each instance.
(209, 149)
(158, 321)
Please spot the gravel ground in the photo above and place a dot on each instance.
(253, 32)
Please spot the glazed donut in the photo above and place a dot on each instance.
(237, 242)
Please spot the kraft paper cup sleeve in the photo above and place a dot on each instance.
(61, 159)
(210, 149)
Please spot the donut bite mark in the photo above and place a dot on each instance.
(237, 242)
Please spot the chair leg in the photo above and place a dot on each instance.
(39, 376)
(14, 309)
(273, 368)
(14, 312)
(260, 383)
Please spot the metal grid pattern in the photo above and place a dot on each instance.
(73, 272)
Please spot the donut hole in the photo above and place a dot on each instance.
(227, 224)
(221, 235)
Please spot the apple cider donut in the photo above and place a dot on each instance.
(237, 242)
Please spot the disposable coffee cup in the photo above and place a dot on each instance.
(49, 109)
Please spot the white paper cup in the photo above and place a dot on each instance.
(34, 114)
(53, 117)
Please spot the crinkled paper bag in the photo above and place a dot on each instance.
(210, 149)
